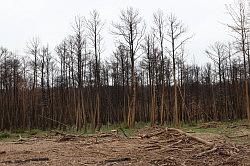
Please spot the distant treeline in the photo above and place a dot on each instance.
(146, 79)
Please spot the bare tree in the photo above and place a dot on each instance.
(151, 62)
(176, 36)
(79, 40)
(239, 26)
(159, 27)
(33, 49)
(95, 26)
(131, 29)
(217, 53)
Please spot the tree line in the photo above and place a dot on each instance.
(146, 79)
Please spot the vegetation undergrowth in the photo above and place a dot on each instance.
(230, 129)
(237, 131)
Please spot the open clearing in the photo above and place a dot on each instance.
(147, 146)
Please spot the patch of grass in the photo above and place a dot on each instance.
(4, 135)
(230, 129)
(108, 127)
(123, 128)
(18, 131)
(140, 125)
(225, 128)
(15, 134)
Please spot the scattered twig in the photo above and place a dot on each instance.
(152, 134)
(210, 144)
(123, 132)
(21, 139)
(2, 152)
(237, 136)
(25, 161)
(53, 120)
(58, 132)
(173, 139)
(152, 147)
(207, 152)
(138, 137)
(104, 135)
(66, 138)
(173, 144)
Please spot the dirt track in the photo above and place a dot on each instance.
(150, 146)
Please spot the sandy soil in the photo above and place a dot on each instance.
(150, 146)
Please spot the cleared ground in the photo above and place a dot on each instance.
(208, 144)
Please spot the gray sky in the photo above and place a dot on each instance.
(51, 20)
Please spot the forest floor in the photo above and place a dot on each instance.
(208, 144)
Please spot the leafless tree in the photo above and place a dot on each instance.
(131, 29)
(177, 36)
(95, 26)
(33, 49)
(79, 42)
(160, 27)
(240, 27)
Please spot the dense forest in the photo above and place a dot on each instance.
(146, 79)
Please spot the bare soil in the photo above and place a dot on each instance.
(149, 146)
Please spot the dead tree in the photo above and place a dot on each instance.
(217, 53)
(159, 27)
(33, 49)
(131, 29)
(239, 27)
(176, 36)
(95, 26)
(151, 62)
(79, 41)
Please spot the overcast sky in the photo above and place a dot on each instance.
(51, 20)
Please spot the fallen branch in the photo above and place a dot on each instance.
(173, 144)
(207, 152)
(172, 149)
(25, 161)
(123, 132)
(2, 152)
(152, 147)
(53, 120)
(174, 139)
(210, 144)
(21, 139)
(117, 159)
(58, 132)
(152, 134)
(66, 138)
(135, 137)
(237, 136)
(104, 135)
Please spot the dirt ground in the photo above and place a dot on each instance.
(149, 146)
